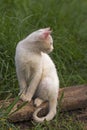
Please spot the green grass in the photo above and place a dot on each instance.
(68, 20)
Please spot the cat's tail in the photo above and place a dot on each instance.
(49, 116)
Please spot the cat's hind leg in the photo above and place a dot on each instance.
(38, 102)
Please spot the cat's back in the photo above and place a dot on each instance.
(25, 56)
(20, 54)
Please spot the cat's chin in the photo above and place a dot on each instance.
(48, 51)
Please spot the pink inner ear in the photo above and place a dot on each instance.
(45, 34)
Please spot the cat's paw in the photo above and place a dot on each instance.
(38, 102)
(24, 97)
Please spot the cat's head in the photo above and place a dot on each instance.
(42, 39)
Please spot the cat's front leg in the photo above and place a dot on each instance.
(22, 85)
(23, 91)
(33, 84)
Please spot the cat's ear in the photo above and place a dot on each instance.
(48, 29)
(45, 34)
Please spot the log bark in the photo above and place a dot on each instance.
(70, 98)
(78, 115)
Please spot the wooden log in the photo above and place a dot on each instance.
(77, 115)
(70, 98)
(75, 97)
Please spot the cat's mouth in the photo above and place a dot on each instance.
(48, 50)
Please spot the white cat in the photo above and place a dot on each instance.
(36, 71)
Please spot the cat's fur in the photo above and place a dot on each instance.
(36, 71)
